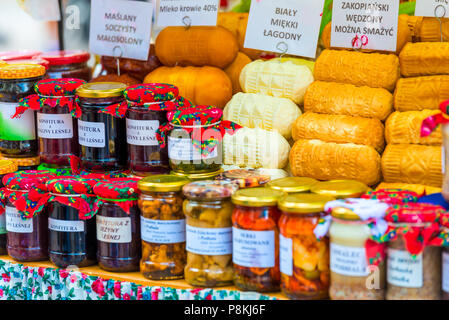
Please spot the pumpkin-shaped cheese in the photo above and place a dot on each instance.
(235, 68)
(281, 79)
(201, 85)
(255, 110)
(196, 46)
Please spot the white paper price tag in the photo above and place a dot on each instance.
(367, 24)
(432, 8)
(121, 28)
(285, 26)
(186, 13)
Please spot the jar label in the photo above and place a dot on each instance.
(209, 241)
(286, 255)
(54, 126)
(348, 261)
(253, 249)
(182, 149)
(403, 270)
(15, 223)
(3, 224)
(65, 225)
(163, 231)
(114, 230)
(18, 129)
(91, 134)
(445, 275)
(141, 132)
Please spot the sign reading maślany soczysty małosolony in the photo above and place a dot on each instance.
(367, 24)
(285, 26)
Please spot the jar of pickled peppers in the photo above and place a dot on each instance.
(244, 178)
(255, 239)
(163, 227)
(292, 184)
(208, 211)
(340, 189)
(6, 166)
(304, 260)
(18, 136)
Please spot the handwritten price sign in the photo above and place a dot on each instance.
(432, 8)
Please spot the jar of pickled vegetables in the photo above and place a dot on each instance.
(198, 176)
(208, 211)
(292, 184)
(304, 260)
(101, 135)
(6, 166)
(18, 136)
(255, 239)
(56, 128)
(340, 189)
(163, 228)
(71, 207)
(118, 225)
(245, 178)
(27, 238)
(413, 265)
(68, 64)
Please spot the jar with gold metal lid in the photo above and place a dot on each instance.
(304, 260)
(255, 239)
(163, 227)
(18, 136)
(340, 189)
(198, 176)
(245, 178)
(31, 163)
(6, 166)
(292, 184)
(101, 135)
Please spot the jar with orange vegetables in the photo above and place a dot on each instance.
(304, 260)
(255, 239)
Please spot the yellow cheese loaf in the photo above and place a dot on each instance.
(412, 163)
(340, 129)
(255, 110)
(374, 70)
(347, 99)
(235, 68)
(275, 78)
(427, 29)
(419, 93)
(405, 127)
(418, 188)
(328, 161)
(256, 148)
(424, 59)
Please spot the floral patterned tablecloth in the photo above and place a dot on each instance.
(19, 282)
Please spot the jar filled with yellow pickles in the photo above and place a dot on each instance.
(292, 184)
(340, 189)
(162, 227)
(208, 211)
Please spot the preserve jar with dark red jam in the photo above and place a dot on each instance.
(71, 210)
(102, 136)
(118, 225)
(6, 166)
(255, 239)
(27, 238)
(18, 136)
(56, 128)
(68, 64)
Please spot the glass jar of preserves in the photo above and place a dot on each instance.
(357, 262)
(304, 260)
(414, 264)
(255, 239)
(340, 189)
(163, 229)
(208, 211)
(392, 196)
(18, 136)
(27, 238)
(25, 164)
(68, 64)
(443, 241)
(198, 176)
(6, 166)
(56, 128)
(38, 61)
(245, 178)
(20, 54)
(57, 171)
(101, 135)
(292, 184)
(118, 225)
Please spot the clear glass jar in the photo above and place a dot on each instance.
(68, 64)
(340, 189)
(162, 227)
(292, 184)
(255, 239)
(6, 166)
(101, 136)
(304, 260)
(245, 178)
(445, 272)
(208, 211)
(198, 176)
(351, 277)
(18, 137)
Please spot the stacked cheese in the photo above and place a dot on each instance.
(409, 158)
(341, 134)
(267, 109)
